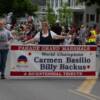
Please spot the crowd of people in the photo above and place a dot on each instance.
(44, 34)
(57, 34)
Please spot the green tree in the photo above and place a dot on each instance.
(19, 7)
(51, 17)
(5, 6)
(65, 14)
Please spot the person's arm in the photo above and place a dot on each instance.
(36, 38)
(10, 36)
(30, 41)
(59, 37)
(55, 36)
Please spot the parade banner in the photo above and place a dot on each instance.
(52, 61)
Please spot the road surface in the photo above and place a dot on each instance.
(50, 89)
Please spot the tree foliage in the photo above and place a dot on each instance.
(19, 7)
(65, 14)
(51, 17)
(5, 6)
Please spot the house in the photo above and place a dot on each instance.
(42, 7)
(78, 9)
(92, 15)
(81, 13)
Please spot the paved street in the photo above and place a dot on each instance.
(73, 25)
(45, 90)
(49, 89)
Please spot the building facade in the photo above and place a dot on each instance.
(78, 9)
(41, 7)
(92, 15)
(81, 13)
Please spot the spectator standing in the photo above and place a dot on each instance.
(5, 36)
(82, 35)
(98, 43)
(57, 29)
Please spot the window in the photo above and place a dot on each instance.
(61, 2)
(52, 3)
(97, 18)
(97, 15)
(92, 17)
(69, 2)
(87, 18)
(56, 3)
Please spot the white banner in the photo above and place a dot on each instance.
(53, 61)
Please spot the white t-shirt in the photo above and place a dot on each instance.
(5, 36)
(37, 36)
(68, 40)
